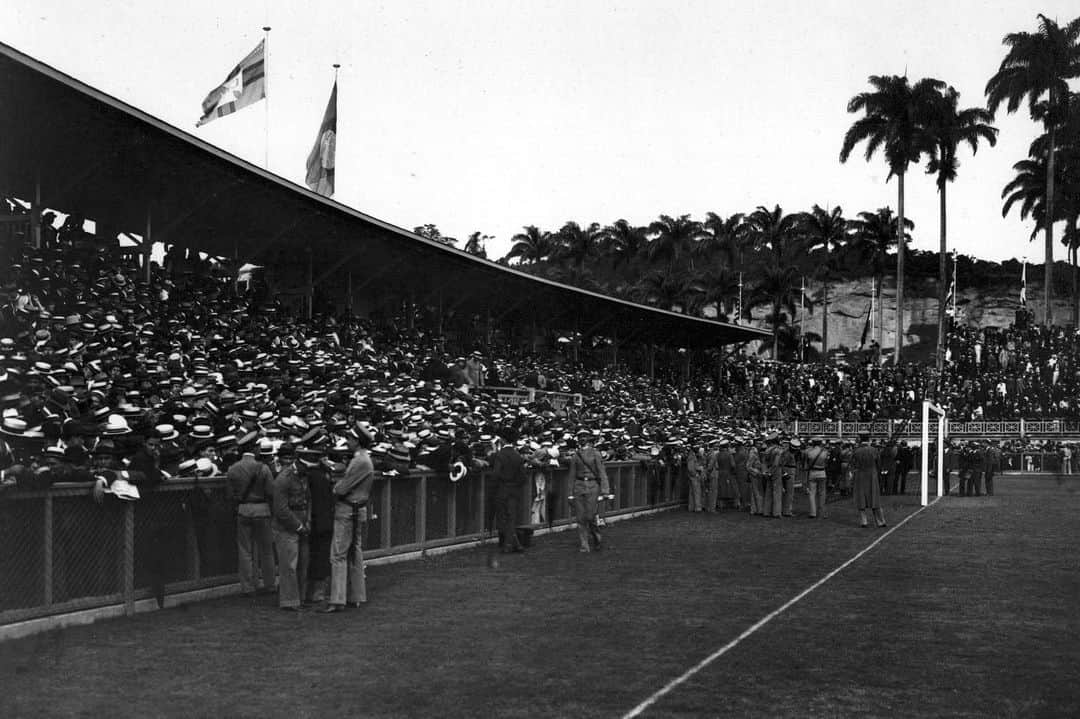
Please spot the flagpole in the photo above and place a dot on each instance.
(266, 96)
(802, 318)
(956, 287)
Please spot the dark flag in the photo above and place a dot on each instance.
(866, 327)
(320, 163)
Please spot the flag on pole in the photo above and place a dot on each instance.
(866, 327)
(950, 299)
(320, 162)
(243, 86)
(1023, 285)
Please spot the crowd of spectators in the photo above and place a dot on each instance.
(105, 374)
(1027, 372)
(103, 371)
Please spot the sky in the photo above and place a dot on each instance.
(488, 116)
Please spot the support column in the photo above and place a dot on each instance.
(310, 286)
(147, 246)
(348, 293)
(35, 213)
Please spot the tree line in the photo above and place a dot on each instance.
(766, 258)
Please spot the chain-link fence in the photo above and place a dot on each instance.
(60, 551)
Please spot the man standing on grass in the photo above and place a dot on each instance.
(352, 489)
(755, 471)
(815, 460)
(508, 473)
(866, 467)
(788, 467)
(992, 466)
(292, 523)
(249, 485)
(773, 484)
(588, 482)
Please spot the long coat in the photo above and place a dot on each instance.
(866, 468)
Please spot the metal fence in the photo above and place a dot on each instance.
(1053, 428)
(62, 552)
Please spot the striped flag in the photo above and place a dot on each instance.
(243, 86)
(320, 162)
(1023, 285)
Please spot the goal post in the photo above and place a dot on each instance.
(927, 408)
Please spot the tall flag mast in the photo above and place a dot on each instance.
(321, 159)
(1023, 284)
(266, 83)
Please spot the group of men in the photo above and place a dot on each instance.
(761, 473)
(588, 480)
(311, 510)
(976, 464)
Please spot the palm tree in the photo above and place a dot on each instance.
(531, 246)
(667, 289)
(779, 289)
(725, 237)
(779, 238)
(894, 121)
(949, 127)
(623, 242)
(674, 238)
(578, 243)
(827, 230)
(475, 245)
(1038, 64)
(873, 235)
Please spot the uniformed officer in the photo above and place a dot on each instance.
(815, 461)
(249, 487)
(993, 466)
(292, 523)
(772, 473)
(756, 473)
(789, 465)
(508, 474)
(588, 481)
(352, 489)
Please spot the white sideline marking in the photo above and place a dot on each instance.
(666, 689)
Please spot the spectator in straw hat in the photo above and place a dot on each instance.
(291, 508)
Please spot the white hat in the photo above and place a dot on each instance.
(116, 424)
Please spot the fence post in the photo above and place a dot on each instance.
(451, 511)
(421, 511)
(47, 547)
(129, 558)
(384, 526)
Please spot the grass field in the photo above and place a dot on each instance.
(972, 608)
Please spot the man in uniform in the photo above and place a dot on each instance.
(755, 471)
(248, 485)
(588, 481)
(292, 523)
(815, 460)
(789, 465)
(742, 480)
(993, 466)
(773, 484)
(352, 489)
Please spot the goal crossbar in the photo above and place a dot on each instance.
(927, 408)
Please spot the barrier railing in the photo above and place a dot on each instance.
(902, 428)
(62, 552)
